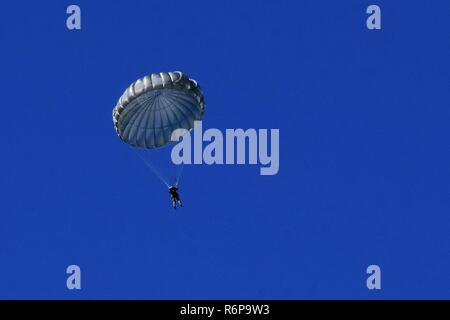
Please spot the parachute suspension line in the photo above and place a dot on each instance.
(180, 171)
(155, 171)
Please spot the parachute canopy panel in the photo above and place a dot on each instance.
(153, 107)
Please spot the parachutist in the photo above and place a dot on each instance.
(152, 108)
(173, 192)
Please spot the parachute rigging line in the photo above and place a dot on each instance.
(180, 171)
(155, 171)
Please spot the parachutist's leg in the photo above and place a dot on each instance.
(179, 201)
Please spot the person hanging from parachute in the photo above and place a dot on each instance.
(152, 108)
(173, 192)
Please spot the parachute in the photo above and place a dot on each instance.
(152, 107)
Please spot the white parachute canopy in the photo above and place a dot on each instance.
(154, 106)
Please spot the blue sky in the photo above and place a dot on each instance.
(364, 151)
